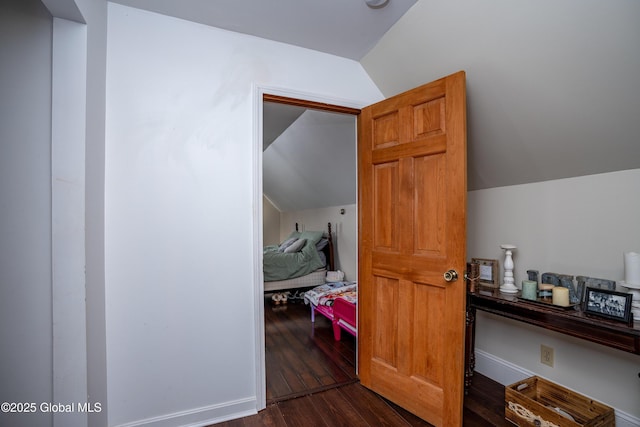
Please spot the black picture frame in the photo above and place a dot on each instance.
(608, 304)
(488, 272)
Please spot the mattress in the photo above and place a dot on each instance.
(312, 279)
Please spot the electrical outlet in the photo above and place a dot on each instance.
(546, 355)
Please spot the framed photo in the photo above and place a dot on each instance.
(488, 272)
(608, 304)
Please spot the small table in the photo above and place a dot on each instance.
(565, 321)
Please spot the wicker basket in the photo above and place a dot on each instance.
(538, 402)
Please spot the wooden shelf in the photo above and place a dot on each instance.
(566, 321)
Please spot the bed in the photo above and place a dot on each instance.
(300, 261)
(337, 301)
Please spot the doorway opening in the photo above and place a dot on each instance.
(299, 356)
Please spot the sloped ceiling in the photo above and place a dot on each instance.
(276, 119)
(347, 28)
(312, 164)
(553, 87)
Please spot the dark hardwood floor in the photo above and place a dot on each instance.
(311, 381)
(303, 358)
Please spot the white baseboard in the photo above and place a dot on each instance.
(507, 373)
(200, 417)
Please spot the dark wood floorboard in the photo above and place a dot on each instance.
(311, 381)
(302, 357)
(353, 405)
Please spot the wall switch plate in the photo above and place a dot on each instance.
(546, 355)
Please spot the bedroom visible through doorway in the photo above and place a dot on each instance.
(309, 179)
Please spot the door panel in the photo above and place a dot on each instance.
(386, 348)
(430, 203)
(429, 340)
(412, 212)
(386, 184)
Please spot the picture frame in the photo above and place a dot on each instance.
(608, 304)
(489, 276)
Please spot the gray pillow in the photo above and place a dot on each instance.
(296, 246)
(287, 243)
(321, 244)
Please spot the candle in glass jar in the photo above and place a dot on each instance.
(529, 289)
(561, 296)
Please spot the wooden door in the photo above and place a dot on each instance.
(412, 213)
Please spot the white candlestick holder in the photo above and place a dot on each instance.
(508, 284)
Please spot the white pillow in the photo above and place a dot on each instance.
(295, 246)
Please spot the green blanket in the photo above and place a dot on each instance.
(282, 266)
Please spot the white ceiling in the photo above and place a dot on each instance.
(312, 164)
(276, 118)
(347, 28)
(553, 87)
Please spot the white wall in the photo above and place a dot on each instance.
(94, 13)
(344, 227)
(180, 289)
(25, 211)
(270, 223)
(69, 74)
(578, 226)
(50, 83)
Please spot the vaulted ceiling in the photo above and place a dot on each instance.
(312, 163)
(553, 87)
(347, 28)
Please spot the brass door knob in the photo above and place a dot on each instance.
(451, 276)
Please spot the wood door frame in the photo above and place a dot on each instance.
(301, 99)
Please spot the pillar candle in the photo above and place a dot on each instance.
(632, 268)
(561, 296)
(529, 289)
